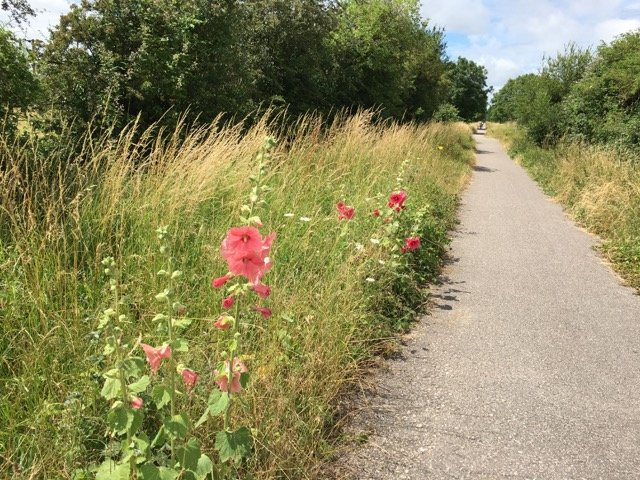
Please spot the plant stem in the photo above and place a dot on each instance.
(172, 373)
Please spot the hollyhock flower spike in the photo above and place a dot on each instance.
(345, 212)
(222, 378)
(376, 213)
(189, 377)
(250, 262)
(228, 302)
(224, 322)
(262, 290)
(264, 311)
(397, 198)
(220, 281)
(137, 403)
(155, 355)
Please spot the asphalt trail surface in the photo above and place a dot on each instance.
(529, 364)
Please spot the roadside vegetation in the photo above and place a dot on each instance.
(574, 126)
(341, 282)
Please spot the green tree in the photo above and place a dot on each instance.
(469, 89)
(18, 87)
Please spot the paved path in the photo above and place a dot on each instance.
(529, 367)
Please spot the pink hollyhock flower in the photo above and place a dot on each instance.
(411, 243)
(136, 403)
(155, 355)
(251, 263)
(241, 240)
(264, 311)
(345, 212)
(397, 198)
(398, 209)
(387, 220)
(189, 377)
(228, 302)
(222, 378)
(224, 322)
(220, 281)
(262, 290)
(376, 213)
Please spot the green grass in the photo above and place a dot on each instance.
(598, 185)
(63, 211)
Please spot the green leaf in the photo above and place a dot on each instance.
(112, 388)
(159, 439)
(148, 471)
(168, 473)
(244, 379)
(217, 402)
(204, 467)
(161, 396)
(110, 470)
(141, 385)
(160, 317)
(177, 426)
(233, 446)
(133, 367)
(180, 345)
(181, 322)
(189, 455)
(142, 443)
(122, 419)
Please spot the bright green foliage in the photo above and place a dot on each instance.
(446, 113)
(468, 91)
(18, 87)
(590, 97)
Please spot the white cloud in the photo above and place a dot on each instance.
(464, 16)
(47, 16)
(510, 37)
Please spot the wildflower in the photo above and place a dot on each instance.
(264, 311)
(220, 281)
(189, 377)
(359, 247)
(136, 403)
(241, 240)
(376, 213)
(375, 241)
(387, 220)
(345, 212)
(289, 215)
(224, 322)
(305, 219)
(228, 302)
(411, 243)
(370, 279)
(155, 355)
(397, 199)
(222, 378)
(251, 263)
(262, 290)
(440, 147)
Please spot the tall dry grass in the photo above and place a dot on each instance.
(61, 212)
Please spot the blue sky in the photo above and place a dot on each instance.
(509, 37)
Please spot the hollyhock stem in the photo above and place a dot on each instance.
(232, 354)
(172, 367)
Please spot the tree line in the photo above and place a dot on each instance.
(112, 61)
(591, 96)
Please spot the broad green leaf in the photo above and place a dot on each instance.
(142, 443)
(133, 367)
(233, 446)
(189, 455)
(112, 388)
(168, 473)
(181, 322)
(202, 419)
(110, 470)
(122, 419)
(217, 402)
(159, 439)
(177, 426)
(141, 385)
(244, 379)
(204, 468)
(148, 471)
(161, 396)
